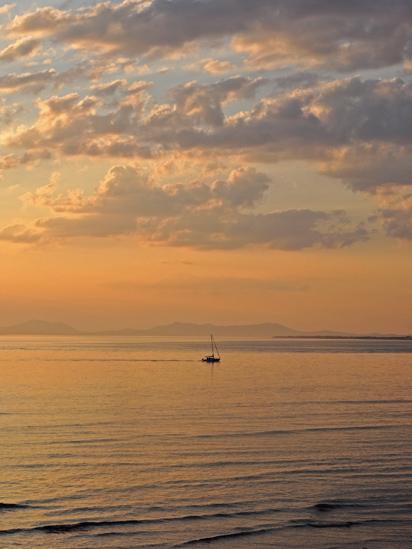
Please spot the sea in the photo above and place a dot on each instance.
(128, 442)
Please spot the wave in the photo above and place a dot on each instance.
(328, 506)
(230, 535)
(258, 531)
(267, 478)
(346, 523)
(117, 533)
(270, 529)
(62, 528)
(12, 506)
(285, 432)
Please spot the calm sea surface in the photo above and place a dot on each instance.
(132, 442)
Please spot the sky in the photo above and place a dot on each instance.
(220, 161)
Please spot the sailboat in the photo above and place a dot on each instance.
(212, 357)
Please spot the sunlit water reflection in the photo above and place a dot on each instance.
(127, 443)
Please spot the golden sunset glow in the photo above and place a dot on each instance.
(205, 274)
(206, 161)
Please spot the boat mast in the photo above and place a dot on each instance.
(211, 342)
(217, 350)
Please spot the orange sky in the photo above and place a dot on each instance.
(111, 286)
(154, 170)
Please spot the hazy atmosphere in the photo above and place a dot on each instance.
(227, 161)
(205, 274)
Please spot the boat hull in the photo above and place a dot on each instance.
(210, 359)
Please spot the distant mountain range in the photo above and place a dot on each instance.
(266, 330)
(39, 327)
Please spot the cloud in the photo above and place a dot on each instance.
(285, 230)
(204, 102)
(42, 194)
(41, 20)
(8, 112)
(395, 213)
(369, 167)
(8, 161)
(27, 82)
(72, 125)
(323, 123)
(243, 187)
(217, 66)
(332, 34)
(133, 27)
(329, 34)
(205, 215)
(129, 190)
(334, 113)
(359, 131)
(19, 234)
(301, 79)
(6, 8)
(397, 222)
(109, 88)
(356, 130)
(20, 48)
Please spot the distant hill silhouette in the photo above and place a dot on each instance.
(264, 330)
(42, 327)
(39, 327)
